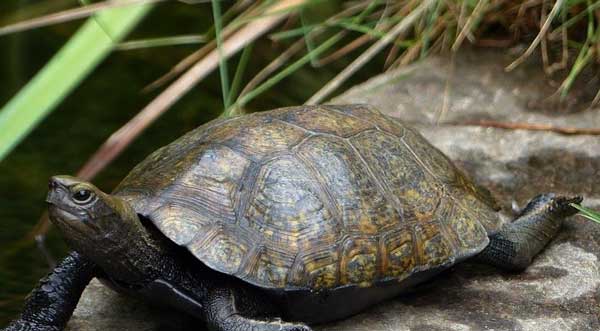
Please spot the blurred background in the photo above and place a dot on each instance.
(221, 58)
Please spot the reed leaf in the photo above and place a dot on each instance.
(587, 212)
(64, 72)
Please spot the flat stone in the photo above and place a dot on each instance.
(559, 291)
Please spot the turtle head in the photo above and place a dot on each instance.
(103, 227)
(87, 217)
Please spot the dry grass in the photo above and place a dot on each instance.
(565, 34)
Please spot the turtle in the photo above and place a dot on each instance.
(280, 220)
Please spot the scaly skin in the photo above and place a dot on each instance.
(50, 305)
(223, 315)
(516, 244)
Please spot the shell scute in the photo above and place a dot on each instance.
(432, 159)
(470, 235)
(373, 116)
(273, 267)
(209, 186)
(223, 249)
(359, 262)
(416, 192)
(258, 136)
(363, 208)
(317, 270)
(399, 253)
(288, 207)
(178, 224)
(433, 248)
(321, 119)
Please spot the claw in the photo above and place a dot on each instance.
(563, 206)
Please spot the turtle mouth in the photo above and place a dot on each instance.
(71, 224)
(58, 213)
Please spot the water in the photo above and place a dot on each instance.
(107, 99)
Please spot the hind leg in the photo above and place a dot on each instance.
(517, 243)
(223, 315)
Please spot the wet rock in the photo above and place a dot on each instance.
(560, 291)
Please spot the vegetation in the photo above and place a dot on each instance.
(564, 33)
(588, 213)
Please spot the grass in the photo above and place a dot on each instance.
(443, 25)
(64, 72)
(587, 213)
(564, 34)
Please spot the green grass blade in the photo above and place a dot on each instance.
(287, 34)
(431, 20)
(237, 78)
(362, 28)
(307, 37)
(587, 212)
(64, 72)
(223, 72)
(243, 100)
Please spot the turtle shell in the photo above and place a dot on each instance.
(312, 197)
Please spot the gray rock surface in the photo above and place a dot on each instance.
(560, 291)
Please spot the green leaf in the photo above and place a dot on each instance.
(65, 71)
(237, 78)
(587, 212)
(223, 71)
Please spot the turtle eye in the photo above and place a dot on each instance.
(83, 196)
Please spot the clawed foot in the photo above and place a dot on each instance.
(20, 325)
(552, 204)
(297, 327)
(283, 326)
(562, 205)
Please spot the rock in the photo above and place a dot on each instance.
(560, 291)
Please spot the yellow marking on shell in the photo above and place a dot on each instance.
(417, 193)
(480, 211)
(323, 120)
(372, 115)
(317, 270)
(433, 248)
(398, 254)
(288, 209)
(273, 267)
(367, 226)
(359, 262)
(322, 277)
(361, 206)
(259, 136)
(225, 251)
(467, 230)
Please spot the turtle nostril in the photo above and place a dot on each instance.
(52, 184)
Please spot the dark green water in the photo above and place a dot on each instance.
(105, 101)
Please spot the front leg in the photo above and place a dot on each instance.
(50, 305)
(223, 315)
